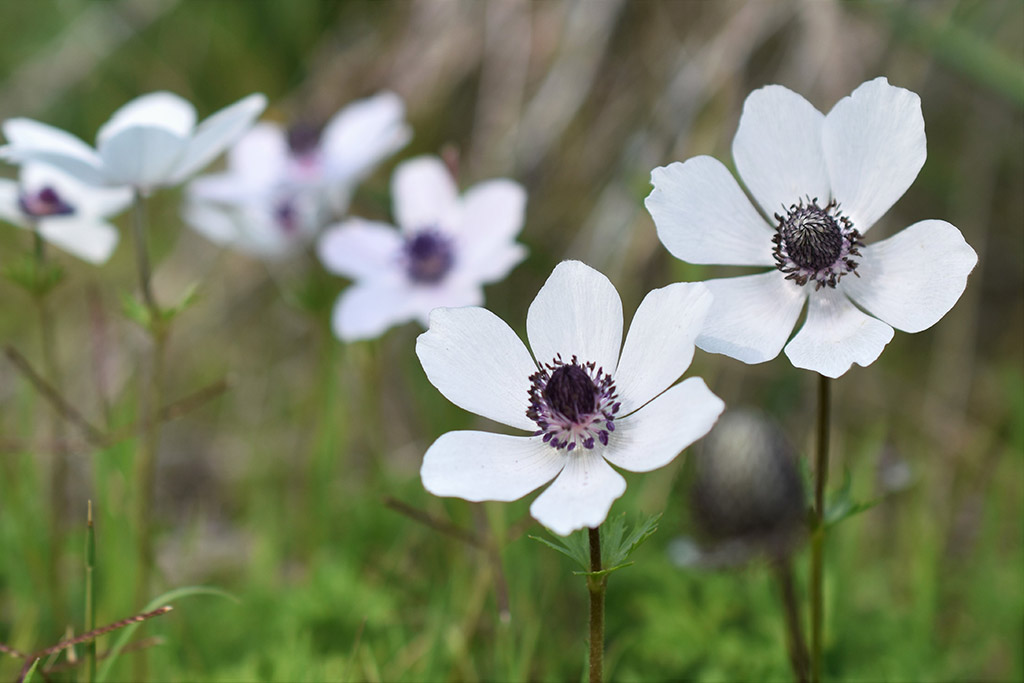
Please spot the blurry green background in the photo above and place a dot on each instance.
(276, 490)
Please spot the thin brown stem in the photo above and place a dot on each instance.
(142, 255)
(795, 643)
(818, 532)
(439, 525)
(596, 586)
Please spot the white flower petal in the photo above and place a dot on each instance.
(777, 149)
(424, 194)
(212, 221)
(487, 267)
(703, 216)
(424, 299)
(491, 216)
(85, 199)
(654, 435)
(659, 344)
(261, 156)
(360, 249)
(874, 146)
(913, 278)
(362, 134)
(581, 495)
(10, 210)
(91, 240)
(752, 316)
(576, 313)
(479, 466)
(142, 157)
(366, 311)
(216, 133)
(479, 364)
(162, 109)
(836, 335)
(34, 141)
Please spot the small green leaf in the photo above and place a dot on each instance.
(841, 505)
(35, 278)
(575, 546)
(135, 310)
(31, 672)
(617, 545)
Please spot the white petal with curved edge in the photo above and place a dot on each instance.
(659, 344)
(34, 141)
(424, 300)
(141, 157)
(836, 335)
(10, 210)
(91, 240)
(215, 133)
(479, 466)
(654, 435)
(161, 109)
(874, 146)
(702, 215)
(360, 249)
(491, 215)
(491, 266)
(576, 313)
(366, 311)
(913, 278)
(85, 199)
(751, 316)
(581, 495)
(777, 149)
(424, 194)
(212, 221)
(362, 134)
(479, 364)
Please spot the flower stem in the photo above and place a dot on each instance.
(797, 646)
(90, 595)
(818, 532)
(59, 465)
(596, 585)
(150, 396)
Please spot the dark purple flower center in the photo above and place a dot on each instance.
(428, 256)
(574, 404)
(45, 202)
(815, 243)
(287, 216)
(303, 139)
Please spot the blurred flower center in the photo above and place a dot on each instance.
(45, 202)
(573, 404)
(303, 139)
(287, 216)
(428, 256)
(815, 243)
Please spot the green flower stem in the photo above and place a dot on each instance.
(818, 532)
(150, 397)
(59, 465)
(596, 585)
(796, 644)
(90, 596)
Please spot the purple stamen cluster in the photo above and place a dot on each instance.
(428, 255)
(286, 216)
(573, 404)
(815, 243)
(45, 202)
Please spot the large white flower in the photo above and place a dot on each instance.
(446, 248)
(584, 404)
(63, 211)
(821, 183)
(279, 186)
(152, 141)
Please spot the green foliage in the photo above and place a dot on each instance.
(618, 542)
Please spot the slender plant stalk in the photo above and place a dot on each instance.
(150, 397)
(818, 533)
(90, 596)
(796, 645)
(59, 465)
(597, 585)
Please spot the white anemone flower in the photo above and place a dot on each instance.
(821, 182)
(152, 141)
(63, 211)
(585, 405)
(280, 185)
(445, 249)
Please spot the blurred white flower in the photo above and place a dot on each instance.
(64, 212)
(585, 404)
(446, 248)
(826, 180)
(280, 187)
(153, 141)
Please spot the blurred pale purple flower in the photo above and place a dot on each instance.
(586, 405)
(65, 212)
(280, 187)
(826, 180)
(152, 141)
(445, 249)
